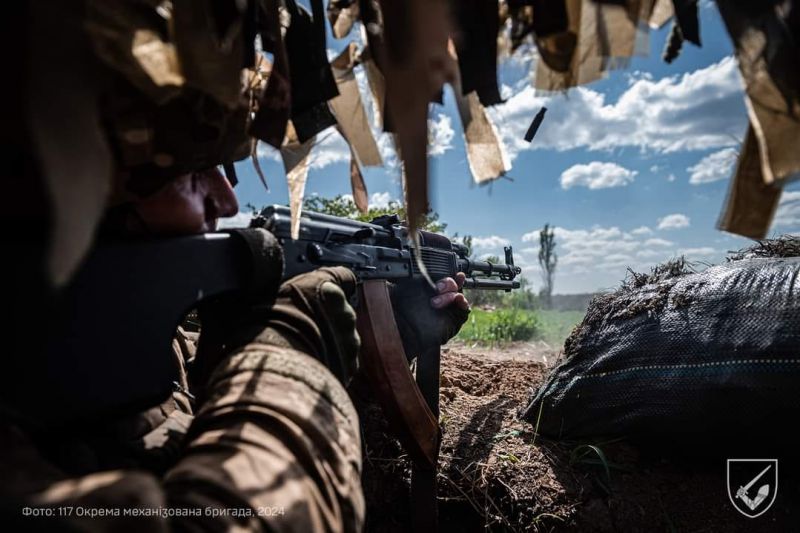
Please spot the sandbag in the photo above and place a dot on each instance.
(710, 354)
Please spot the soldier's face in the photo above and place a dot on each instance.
(189, 204)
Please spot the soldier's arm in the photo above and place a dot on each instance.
(275, 444)
(277, 441)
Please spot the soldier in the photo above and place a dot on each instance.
(274, 443)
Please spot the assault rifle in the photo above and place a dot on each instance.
(109, 340)
(379, 250)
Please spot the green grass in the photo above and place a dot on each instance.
(499, 326)
(506, 325)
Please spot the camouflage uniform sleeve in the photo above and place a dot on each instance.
(275, 446)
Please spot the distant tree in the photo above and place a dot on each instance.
(344, 206)
(548, 261)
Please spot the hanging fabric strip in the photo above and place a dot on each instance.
(750, 204)
(274, 107)
(662, 12)
(485, 154)
(377, 86)
(768, 50)
(415, 64)
(349, 110)
(601, 37)
(358, 185)
(296, 159)
(312, 80)
(477, 25)
(342, 14)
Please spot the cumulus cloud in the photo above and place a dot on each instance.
(699, 110)
(330, 148)
(788, 212)
(380, 200)
(599, 257)
(597, 175)
(674, 221)
(642, 230)
(489, 243)
(377, 200)
(440, 134)
(713, 167)
(658, 242)
(700, 252)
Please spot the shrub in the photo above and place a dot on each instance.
(502, 325)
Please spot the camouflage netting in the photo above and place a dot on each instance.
(680, 352)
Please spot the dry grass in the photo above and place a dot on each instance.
(783, 246)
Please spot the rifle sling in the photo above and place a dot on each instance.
(410, 407)
(386, 367)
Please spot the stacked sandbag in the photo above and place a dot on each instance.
(676, 352)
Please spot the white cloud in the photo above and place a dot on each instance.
(658, 242)
(440, 135)
(671, 177)
(590, 259)
(489, 243)
(713, 167)
(697, 253)
(642, 230)
(330, 148)
(674, 221)
(506, 91)
(380, 200)
(788, 213)
(698, 110)
(239, 220)
(649, 254)
(597, 175)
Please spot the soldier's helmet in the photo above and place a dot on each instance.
(137, 92)
(180, 95)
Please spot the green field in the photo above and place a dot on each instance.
(507, 325)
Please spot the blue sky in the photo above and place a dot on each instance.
(632, 169)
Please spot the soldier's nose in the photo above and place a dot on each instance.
(221, 195)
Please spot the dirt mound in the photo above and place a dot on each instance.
(487, 456)
(496, 473)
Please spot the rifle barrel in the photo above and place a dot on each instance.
(480, 283)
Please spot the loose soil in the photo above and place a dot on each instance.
(497, 474)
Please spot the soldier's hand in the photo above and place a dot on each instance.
(427, 320)
(312, 313)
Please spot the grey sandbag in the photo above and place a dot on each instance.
(711, 354)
